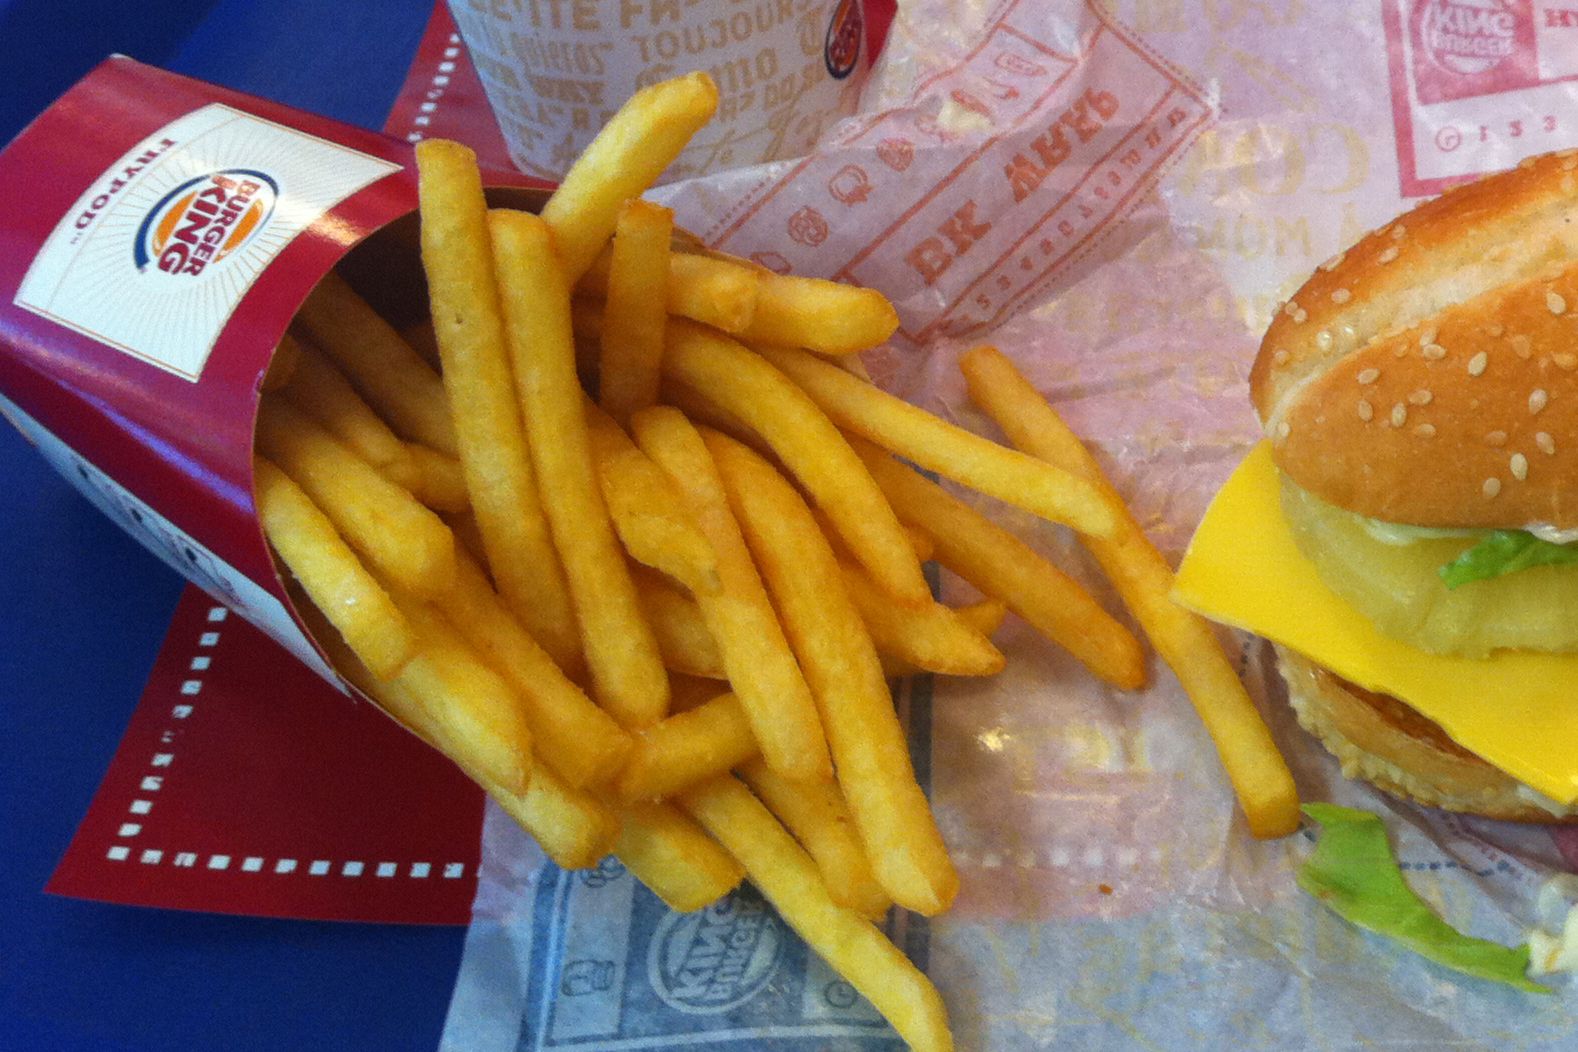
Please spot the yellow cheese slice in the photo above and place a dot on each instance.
(1517, 710)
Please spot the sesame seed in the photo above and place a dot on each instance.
(1555, 303)
(1387, 255)
(1399, 351)
(1279, 357)
(1341, 296)
(1427, 336)
(1527, 163)
(1399, 232)
(1368, 376)
(1425, 430)
(1496, 438)
(1399, 415)
(1323, 339)
(1434, 351)
(1476, 364)
(1348, 333)
(1300, 315)
(1546, 443)
(1333, 263)
(1564, 360)
(1518, 464)
(1290, 308)
(1420, 397)
(1366, 410)
(1282, 431)
(1538, 399)
(1495, 328)
(1491, 488)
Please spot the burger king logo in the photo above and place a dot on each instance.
(1468, 36)
(717, 958)
(841, 48)
(203, 221)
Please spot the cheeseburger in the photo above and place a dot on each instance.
(1407, 533)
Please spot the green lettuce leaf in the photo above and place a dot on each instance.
(1355, 875)
(1503, 552)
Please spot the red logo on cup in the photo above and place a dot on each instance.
(808, 227)
(1468, 36)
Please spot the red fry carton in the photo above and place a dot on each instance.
(157, 235)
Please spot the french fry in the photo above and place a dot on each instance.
(985, 616)
(935, 444)
(691, 692)
(838, 658)
(580, 741)
(747, 387)
(684, 640)
(473, 711)
(573, 827)
(281, 367)
(687, 748)
(818, 818)
(822, 316)
(354, 603)
(1143, 578)
(464, 526)
(437, 480)
(423, 341)
(322, 392)
(923, 545)
(716, 292)
(933, 638)
(390, 375)
(674, 857)
(626, 157)
(760, 665)
(469, 327)
(403, 540)
(647, 511)
(1003, 566)
(851, 944)
(627, 671)
(629, 370)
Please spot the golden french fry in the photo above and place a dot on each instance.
(836, 653)
(747, 387)
(674, 857)
(464, 526)
(939, 446)
(353, 601)
(713, 291)
(933, 638)
(469, 325)
(621, 652)
(473, 710)
(1005, 567)
(691, 692)
(818, 818)
(985, 616)
(400, 538)
(648, 512)
(923, 545)
(390, 375)
(635, 313)
(282, 367)
(687, 748)
(580, 741)
(851, 944)
(322, 392)
(422, 339)
(684, 640)
(760, 664)
(438, 480)
(625, 158)
(574, 828)
(822, 316)
(1143, 578)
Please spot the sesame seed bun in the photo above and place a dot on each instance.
(1382, 741)
(1429, 375)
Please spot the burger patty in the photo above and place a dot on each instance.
(1404, 717)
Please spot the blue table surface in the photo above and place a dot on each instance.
(83, 608)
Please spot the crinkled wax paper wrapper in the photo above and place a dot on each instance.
(1117, 196)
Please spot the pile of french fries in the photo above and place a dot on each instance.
(625, 533)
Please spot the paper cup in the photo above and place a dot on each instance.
(555, 72)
